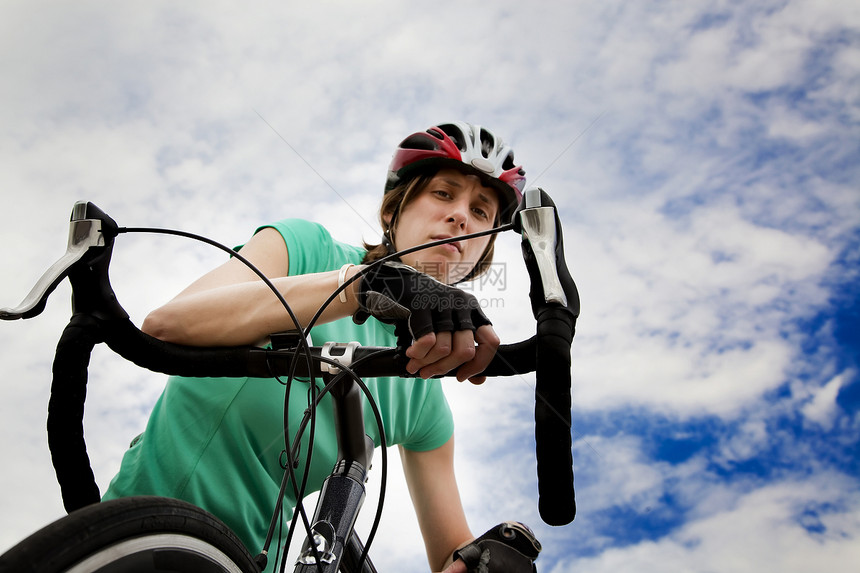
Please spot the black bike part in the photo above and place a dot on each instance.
(352, 554)
(140, 534)
(93, 294)
(553, 437)
(556, 325)
(353, 442)
(124, 338)
(91, 232)
(340, 499)
(66, 413)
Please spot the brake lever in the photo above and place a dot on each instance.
(536, 219)
(89, 228)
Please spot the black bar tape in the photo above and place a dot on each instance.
(66, 413)
(553, 437)
(128, 341)
(148, 352)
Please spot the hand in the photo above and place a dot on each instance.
(446, 325)
(509, 547)
(438, 353)
(396, 293)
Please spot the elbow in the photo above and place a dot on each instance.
(159, 324)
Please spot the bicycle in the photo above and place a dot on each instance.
(161, 534)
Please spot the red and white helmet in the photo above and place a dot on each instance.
(469, 148)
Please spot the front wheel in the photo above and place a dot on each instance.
(140, 534)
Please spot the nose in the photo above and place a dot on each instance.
(458, 213)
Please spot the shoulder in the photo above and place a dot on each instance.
(299, 229)
(311, 247)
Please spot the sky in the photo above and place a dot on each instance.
(705, 159)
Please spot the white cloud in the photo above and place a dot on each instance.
(701, 326)
(792, 525)
(821, 409)
(746, 442)
(626, 476)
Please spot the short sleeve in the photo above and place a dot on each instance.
(311, 247)
(434, 425)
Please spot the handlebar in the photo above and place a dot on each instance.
(98, 317)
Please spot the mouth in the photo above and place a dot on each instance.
(457, 245)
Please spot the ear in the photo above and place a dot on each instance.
(387, 216)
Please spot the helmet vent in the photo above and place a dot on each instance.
(487, 142)
(435, 134)
(419, 141)
(455, 134)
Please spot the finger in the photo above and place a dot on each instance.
(418, 350)
(460, 350)
(440, 350)
(487, 343)
(478, 380)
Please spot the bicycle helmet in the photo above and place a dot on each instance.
(471, 149)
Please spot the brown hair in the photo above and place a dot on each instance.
(394, 201)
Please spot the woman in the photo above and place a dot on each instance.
(218, 443)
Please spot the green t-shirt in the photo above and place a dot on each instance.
(217, 442)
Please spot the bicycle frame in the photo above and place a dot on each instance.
(98, 317)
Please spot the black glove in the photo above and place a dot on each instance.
(509, 547)
(395, 293)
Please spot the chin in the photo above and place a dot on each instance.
(437, 267)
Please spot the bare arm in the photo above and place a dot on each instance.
(230, 305)
(433, 488)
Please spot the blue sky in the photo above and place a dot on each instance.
(704, 157)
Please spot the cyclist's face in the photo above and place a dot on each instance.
(452, 204)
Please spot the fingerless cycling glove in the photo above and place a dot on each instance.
(509, 547)
(395, 293)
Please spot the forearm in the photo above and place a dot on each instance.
(433, 489)
(247, 312)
